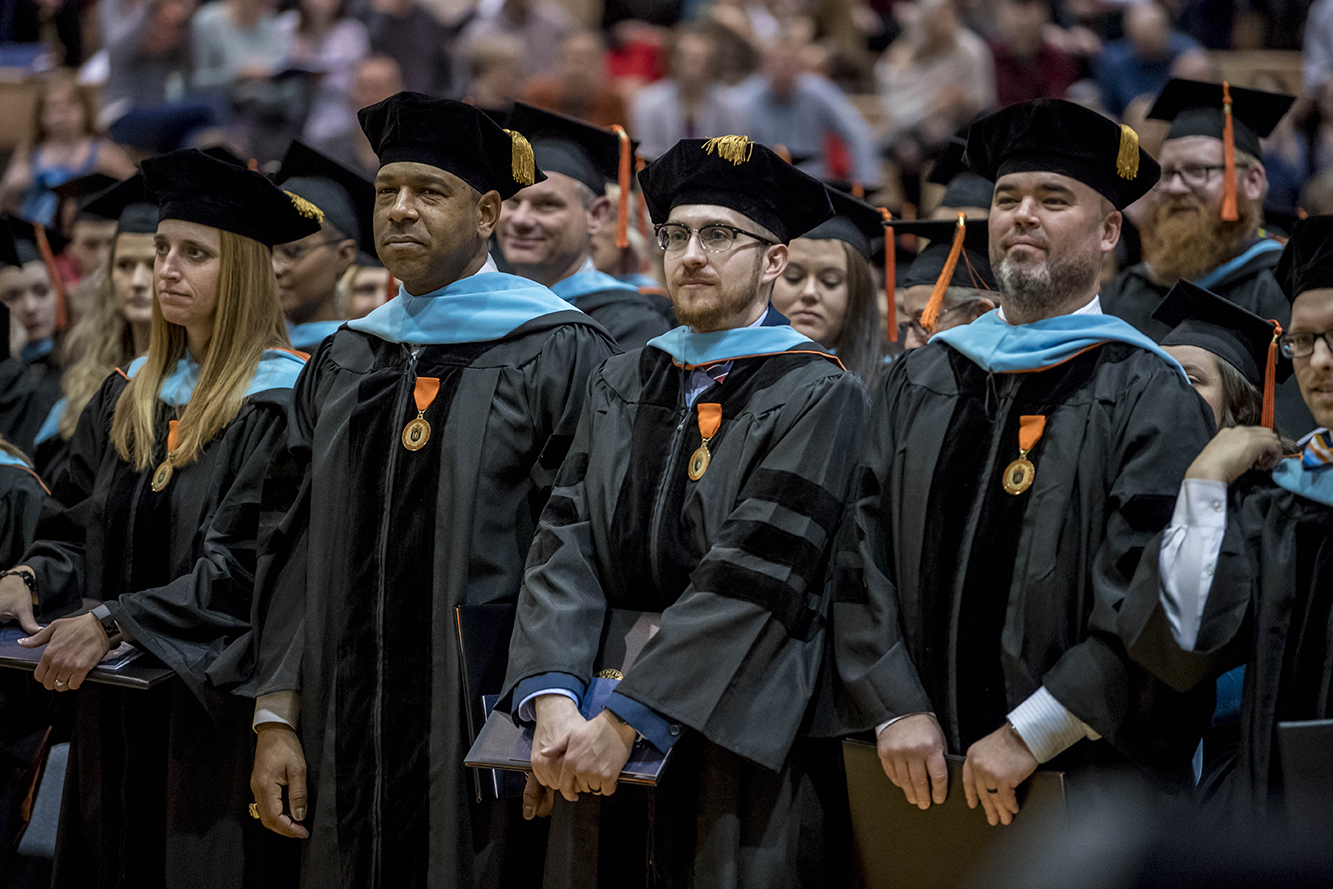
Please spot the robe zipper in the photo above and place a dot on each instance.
(655, 526)
(400, 404)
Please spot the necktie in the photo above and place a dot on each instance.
(1318, 453)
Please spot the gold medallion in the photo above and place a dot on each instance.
(416, 434)
(609, 674)
(162, 477)
(699, 462)
(1018, 476)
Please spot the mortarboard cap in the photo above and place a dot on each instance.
(733, 172)
(1201, 318)
(457, 138)
(346, 197)
(1055, 136)
(81, 188)
(27, 239)
(1306, 262)
(958, 255)
(853, 222)
(128, 204)
(194, 187)
(9, 254)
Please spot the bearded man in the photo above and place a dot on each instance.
(1207, 215)
(1015, 468)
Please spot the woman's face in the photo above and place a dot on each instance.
(31, 299)
(62, 114)
(812, 291)
(1201, 367)
(132, 276)
(185, 270)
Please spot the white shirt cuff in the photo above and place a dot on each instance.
(1047, 726)
(1191, 546)
(527, 710)
(278, 706)
(883, 725)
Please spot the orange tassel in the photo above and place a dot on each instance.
(1229, 211)
(57, 282)
(932, 311)
(622, 211)
(1270, 377)
(781, 151)
(890, 274)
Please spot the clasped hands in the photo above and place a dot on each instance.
(74, 645)
(573, 755)
(912, 753)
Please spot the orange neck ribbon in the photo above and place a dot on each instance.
(1030, 428)
(710, 420)
(172, 438)
(426, 390)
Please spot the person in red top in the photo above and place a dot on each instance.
(1026, 65)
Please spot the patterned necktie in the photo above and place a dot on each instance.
(1318, 452)
(718, 371)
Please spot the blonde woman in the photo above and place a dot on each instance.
(162, 497)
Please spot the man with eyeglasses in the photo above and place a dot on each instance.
(1245, 571)
(1206, 216)
(705, 482)
(308, 270)
(971, 290)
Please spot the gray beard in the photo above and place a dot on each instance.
(1042, 288)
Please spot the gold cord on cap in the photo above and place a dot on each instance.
(736, 149)
(1127, 163)
(523, 162)
(305, 208)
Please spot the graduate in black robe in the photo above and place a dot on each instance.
(160, 527)
(1252, 583)
(546, 230)
(424, 442)
(29, 381)
(1191, 218)
(705, 482)
(1015, 468)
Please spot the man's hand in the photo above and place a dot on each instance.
(16, 603)
(557, 718)
(537, 799)
(74, 645)
(279, 762)
(912, 753)
(598, 750)
(1234, 451)
(995, 766)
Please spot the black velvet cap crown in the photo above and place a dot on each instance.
(9, 254)
(1307, 260)
(346, 197)
(24, 234)
(1055, 136)
(128, 204)
(929, 263)
(1199, 317)
(192, 186)
(963, 188)
(733, 172)
(854, 222)
(81, 189)
(1195, 109)
(457, 138)
(566, 145)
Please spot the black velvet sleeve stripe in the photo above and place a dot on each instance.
(557, 446)
(797, 494)
(560, 511)
(774, 596)
(764, 541)
(573, 470)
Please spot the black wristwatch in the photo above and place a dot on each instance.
(28, 578)
(109, 625)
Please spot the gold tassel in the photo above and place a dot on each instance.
(524, 164)
(305, 208)
(1127, 164)
(736, 149)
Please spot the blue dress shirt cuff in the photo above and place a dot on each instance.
(656, 729)
(534, 687)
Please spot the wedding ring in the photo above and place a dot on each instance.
(60, 683)
(254, 811)
(992, 790)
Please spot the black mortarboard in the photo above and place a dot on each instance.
(951, 161)
(128, 204)
(733, 172)
(346, 197)
(1307, 260)
(931, 261)
(855, 222)
(192, 186)
(1195, 108)
(1199, 317)
(1055, 136)
(25, 239)
(565, 145)
(80, 189)
(457, 138)
(9, 255)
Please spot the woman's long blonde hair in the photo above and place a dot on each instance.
(101, 342)
(247, 320)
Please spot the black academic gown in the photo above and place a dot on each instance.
(632, 318)
(1269, 608)
(962, 600)
(1133, 296)
(158, 780)
(377, 547)
(735, 563)
(27, 394)
(26, 709)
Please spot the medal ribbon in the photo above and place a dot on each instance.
(1030, 428)
(424, 393)
(172, 438)
(710, 420)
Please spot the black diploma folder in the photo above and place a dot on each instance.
(895, 844)
(131, 668)
(500, 744)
